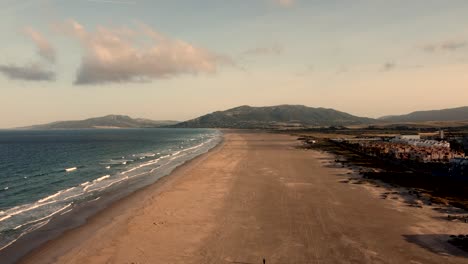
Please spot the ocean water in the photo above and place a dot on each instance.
(47, 174)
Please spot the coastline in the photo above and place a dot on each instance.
(85, 214)
(255, 196)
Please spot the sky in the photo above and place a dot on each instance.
(179, 59)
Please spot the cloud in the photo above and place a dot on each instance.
(127, 55)
(285, 3)
(451, 46)
(44, 48)
(273, 50)
(388, 66)
(33, 72)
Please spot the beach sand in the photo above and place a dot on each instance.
(257, 196)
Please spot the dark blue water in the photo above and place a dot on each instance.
(44, 174)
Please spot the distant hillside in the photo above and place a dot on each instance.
(273, 116)
(452, 114)
(109, 121)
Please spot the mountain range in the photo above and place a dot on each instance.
(109, 121)
(262, 117)
(452, 114)
(272, 116)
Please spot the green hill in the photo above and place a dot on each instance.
(274, 116)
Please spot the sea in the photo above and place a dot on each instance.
(47, 175)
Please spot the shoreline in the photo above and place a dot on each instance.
(83, 215)
(253, 196)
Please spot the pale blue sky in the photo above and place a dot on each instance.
(365, 57)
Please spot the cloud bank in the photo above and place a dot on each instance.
(126, 55)
(33, 72)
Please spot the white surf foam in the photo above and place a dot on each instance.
(5, 217)
(22, 208)
(45, 217)
(96, 181)
(66, 212)
(101, 178)
(55, 195)
(37, 226)
(71, 169)
(85, 183)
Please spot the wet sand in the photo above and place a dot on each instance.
(257, 196)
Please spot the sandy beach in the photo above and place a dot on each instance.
(258, 196)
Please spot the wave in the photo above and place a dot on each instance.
(101, 178)
(22, 208)
(144, 155)
(73, 196)
(96, 181)
(45, 217)
(197, 146)
(71, 169)
(85, 183)
(117, 161)
(93, 200)
(5, 217)
(55, 195)
(151, 162)
(108, 185)
(66, 212)
(7, 214)
(37, 226)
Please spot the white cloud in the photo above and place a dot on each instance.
(44, 48)
(127, 55)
